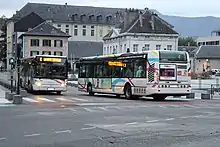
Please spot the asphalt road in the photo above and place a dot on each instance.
(75, 119)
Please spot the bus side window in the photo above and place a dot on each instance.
(82, 71)
(98, 70)
(116, 71)
(140, 68)
(129, 70)
(106, 71)
(90, 71)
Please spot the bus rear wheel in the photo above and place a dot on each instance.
(128, 92)
(90, 90)
(58, 92)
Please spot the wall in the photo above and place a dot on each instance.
(28, 48)
(141, 41)
(98, 30)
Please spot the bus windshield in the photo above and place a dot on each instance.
(50, 70)
(177, 57)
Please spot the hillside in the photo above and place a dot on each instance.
(193, 26)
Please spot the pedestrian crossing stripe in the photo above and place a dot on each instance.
(7, 105)
(63, 99)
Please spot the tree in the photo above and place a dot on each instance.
(187, 41)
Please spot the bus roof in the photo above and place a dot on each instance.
(124, 54)
(50, 56)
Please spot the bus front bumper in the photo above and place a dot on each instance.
(51, 89)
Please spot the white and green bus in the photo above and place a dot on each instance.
(152, 73)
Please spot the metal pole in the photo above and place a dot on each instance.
(11, 79)
(18, 70)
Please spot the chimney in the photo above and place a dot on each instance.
(130, 15)
(141, 18)
(152, 22)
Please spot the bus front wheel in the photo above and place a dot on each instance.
(128, 92)
(58, 92)
(90, 90)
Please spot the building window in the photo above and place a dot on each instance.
(120, 49)
(58, 43)
(58, 53)
(169, 47)
(146, 47)
(104, 51)
(67, 26)
(92, 32)
(75, 32)
(84, 31)
(34, 53)
(125, 50)
(47, 43)
(35, 42)
(114, 50)
(46, 53)
(92, 27)
(158, 47)
(107, 50)
(110, 49)
(59, 25)
(67, 31)
(135, 47)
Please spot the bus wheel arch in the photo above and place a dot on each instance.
(127, 91)
(89, 89)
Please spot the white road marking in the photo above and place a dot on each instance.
(89, 110)
(71, 109)
(106, 126)
(102, 108)
(152, 121)
(132, 123)
(63, 131)
(78, 99)
(32, 135)
(170, 119)
(89, 128)
(45, 99)
(162, 106)
(4, 101)
(92, 104)
(2, 138)
(184, 117)
(63, 99)
(30, 100)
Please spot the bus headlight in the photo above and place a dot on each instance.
(38, 83)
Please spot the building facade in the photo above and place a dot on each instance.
(141, 31)
(214, 39)
(44, 40)
(207, 60)
(84, 24)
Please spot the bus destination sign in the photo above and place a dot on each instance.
(110, 63)
(42, 59)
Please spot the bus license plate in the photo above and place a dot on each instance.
(50, 89)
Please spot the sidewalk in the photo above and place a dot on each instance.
(4, 102)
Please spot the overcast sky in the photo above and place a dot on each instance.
(169, 7)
